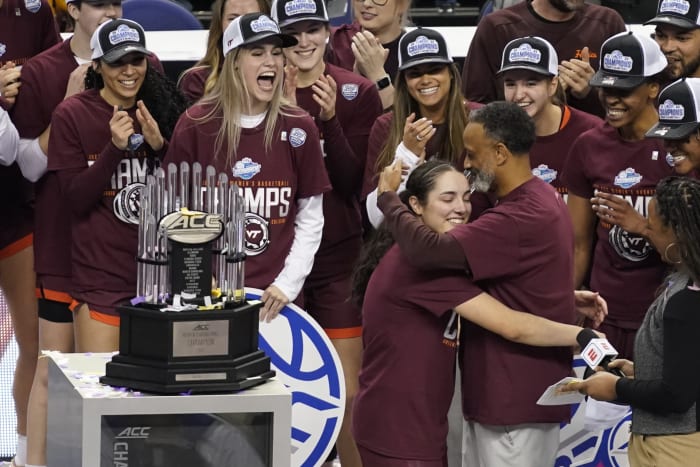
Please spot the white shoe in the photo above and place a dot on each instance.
(9, 464)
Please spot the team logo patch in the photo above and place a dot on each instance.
(297, 137)
(300, 7)
(627, 178)
(257, 234)
(123, 34)
(127, 203)
(246, 168)
(422, 45)
(680, 7)
(350, 91)
(525, 53)
(264, 24)
(662, 130)
(3, 49)
(306, 362)
(32, 5)
(616, 61)
(669, 110)
(632, 247)
(544, 173)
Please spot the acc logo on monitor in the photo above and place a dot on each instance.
(306, 362)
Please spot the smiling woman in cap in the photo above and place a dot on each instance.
(428, 117)
(344, 106)
(530, 69)
(679, 124)
(121, 121)
(617, 161)
(245, 128)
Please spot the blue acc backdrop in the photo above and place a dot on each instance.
(308, 365)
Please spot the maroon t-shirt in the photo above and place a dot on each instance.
(101, 185)
(192, 82)
(625, 270)
(271, 181)
(548, 154)
(521, 252)
(340, 53)
(344, 140)
(26, 28)
(32, 114)
(590, 27)
(407, 376)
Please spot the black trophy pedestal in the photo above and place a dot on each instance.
(189, 351)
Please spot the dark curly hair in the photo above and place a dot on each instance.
(678, 203)
(419, 184)
(160, 95)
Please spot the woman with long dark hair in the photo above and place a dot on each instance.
(428, 116)
(103, 143)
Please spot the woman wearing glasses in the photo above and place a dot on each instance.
(369, 45)
(428, 116)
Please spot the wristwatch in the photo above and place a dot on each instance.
(383, 83)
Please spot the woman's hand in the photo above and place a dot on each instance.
(417, 133)
(575, 74)
(289, 87)
(76, 80)
(390, 178)
(591, 305)
(273, 301)
(624, 365)
(325, 89)
(370, 55)
(149, 127)
(615, 210)
(10, 82)
(121, 126)
(600, 386)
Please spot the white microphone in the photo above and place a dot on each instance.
(597, 351)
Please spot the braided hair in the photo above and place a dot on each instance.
(678, 203)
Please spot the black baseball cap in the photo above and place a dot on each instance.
(684, 14)
(420, 46)
(286, 12)
(530, 53)
(116, 38)
(627, 59)
(679, 106)
(252, 28)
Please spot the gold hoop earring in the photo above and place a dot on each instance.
(667, 257)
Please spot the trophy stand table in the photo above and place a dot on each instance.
(93, 425)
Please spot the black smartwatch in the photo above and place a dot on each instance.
(383, 83)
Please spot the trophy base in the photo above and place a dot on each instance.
(188, 351)
(187, 387)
